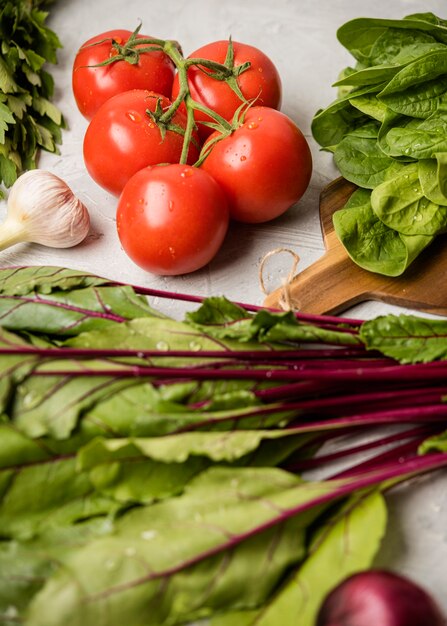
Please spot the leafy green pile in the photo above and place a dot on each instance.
(28, 118)
(388, 133)
(148, 467)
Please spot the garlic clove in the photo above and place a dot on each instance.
(43, 209)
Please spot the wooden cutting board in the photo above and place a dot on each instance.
(334, 283)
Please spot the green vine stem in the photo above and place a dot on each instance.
(228, 72)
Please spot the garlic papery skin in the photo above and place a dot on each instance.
(43, 209)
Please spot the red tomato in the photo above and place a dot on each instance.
(92, 86)
(122, 138)
(172, 219)
(260, 81)
(264, 166)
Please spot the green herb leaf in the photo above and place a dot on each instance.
(25, 87)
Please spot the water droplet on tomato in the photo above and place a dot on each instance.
(141, 200)
(259, 119)
(134, 116)
(243, 158)
(252, 125)
(187, 172)
(171, 205)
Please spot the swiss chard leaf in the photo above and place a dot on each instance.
(20, 281)
(222, 505)
(67, 313)
(52, 405)
(264, 326)
(407, 338)
(45, 494)
(142, 470)
(346, 544)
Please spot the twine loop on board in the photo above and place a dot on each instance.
(284, 300)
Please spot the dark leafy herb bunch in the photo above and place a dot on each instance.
(387, 131)
(28, 119)
(150, 468)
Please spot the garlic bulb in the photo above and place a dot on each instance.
(43, 209)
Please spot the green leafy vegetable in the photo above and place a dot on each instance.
(407, 338)
(339, 544)
(28, 119)
(400, 204)
(148, 465)
(399, 81)
(372, 244)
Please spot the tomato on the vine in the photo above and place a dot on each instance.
(92, 86)
(172, 219)
(122, 138)
(264, 166)
(260, 82)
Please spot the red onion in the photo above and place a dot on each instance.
(379, 598)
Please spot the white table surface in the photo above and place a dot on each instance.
(300, 37)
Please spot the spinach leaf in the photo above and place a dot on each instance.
(441, 158)
(370, 106)
(368, 76)
(391, 120)
(400, 204)
(419, 139)
(330, 125)
(370, 243)
(418, 89)
(397, 45)
(428, 177)
(361, 35)
(362, 162)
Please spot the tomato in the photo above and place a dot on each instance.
(92, 86)
(122, 138)
(172, 219)
(264, 166)
(261, 81)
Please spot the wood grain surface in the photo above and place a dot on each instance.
(334, 283)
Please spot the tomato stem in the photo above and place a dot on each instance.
(227, 71)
